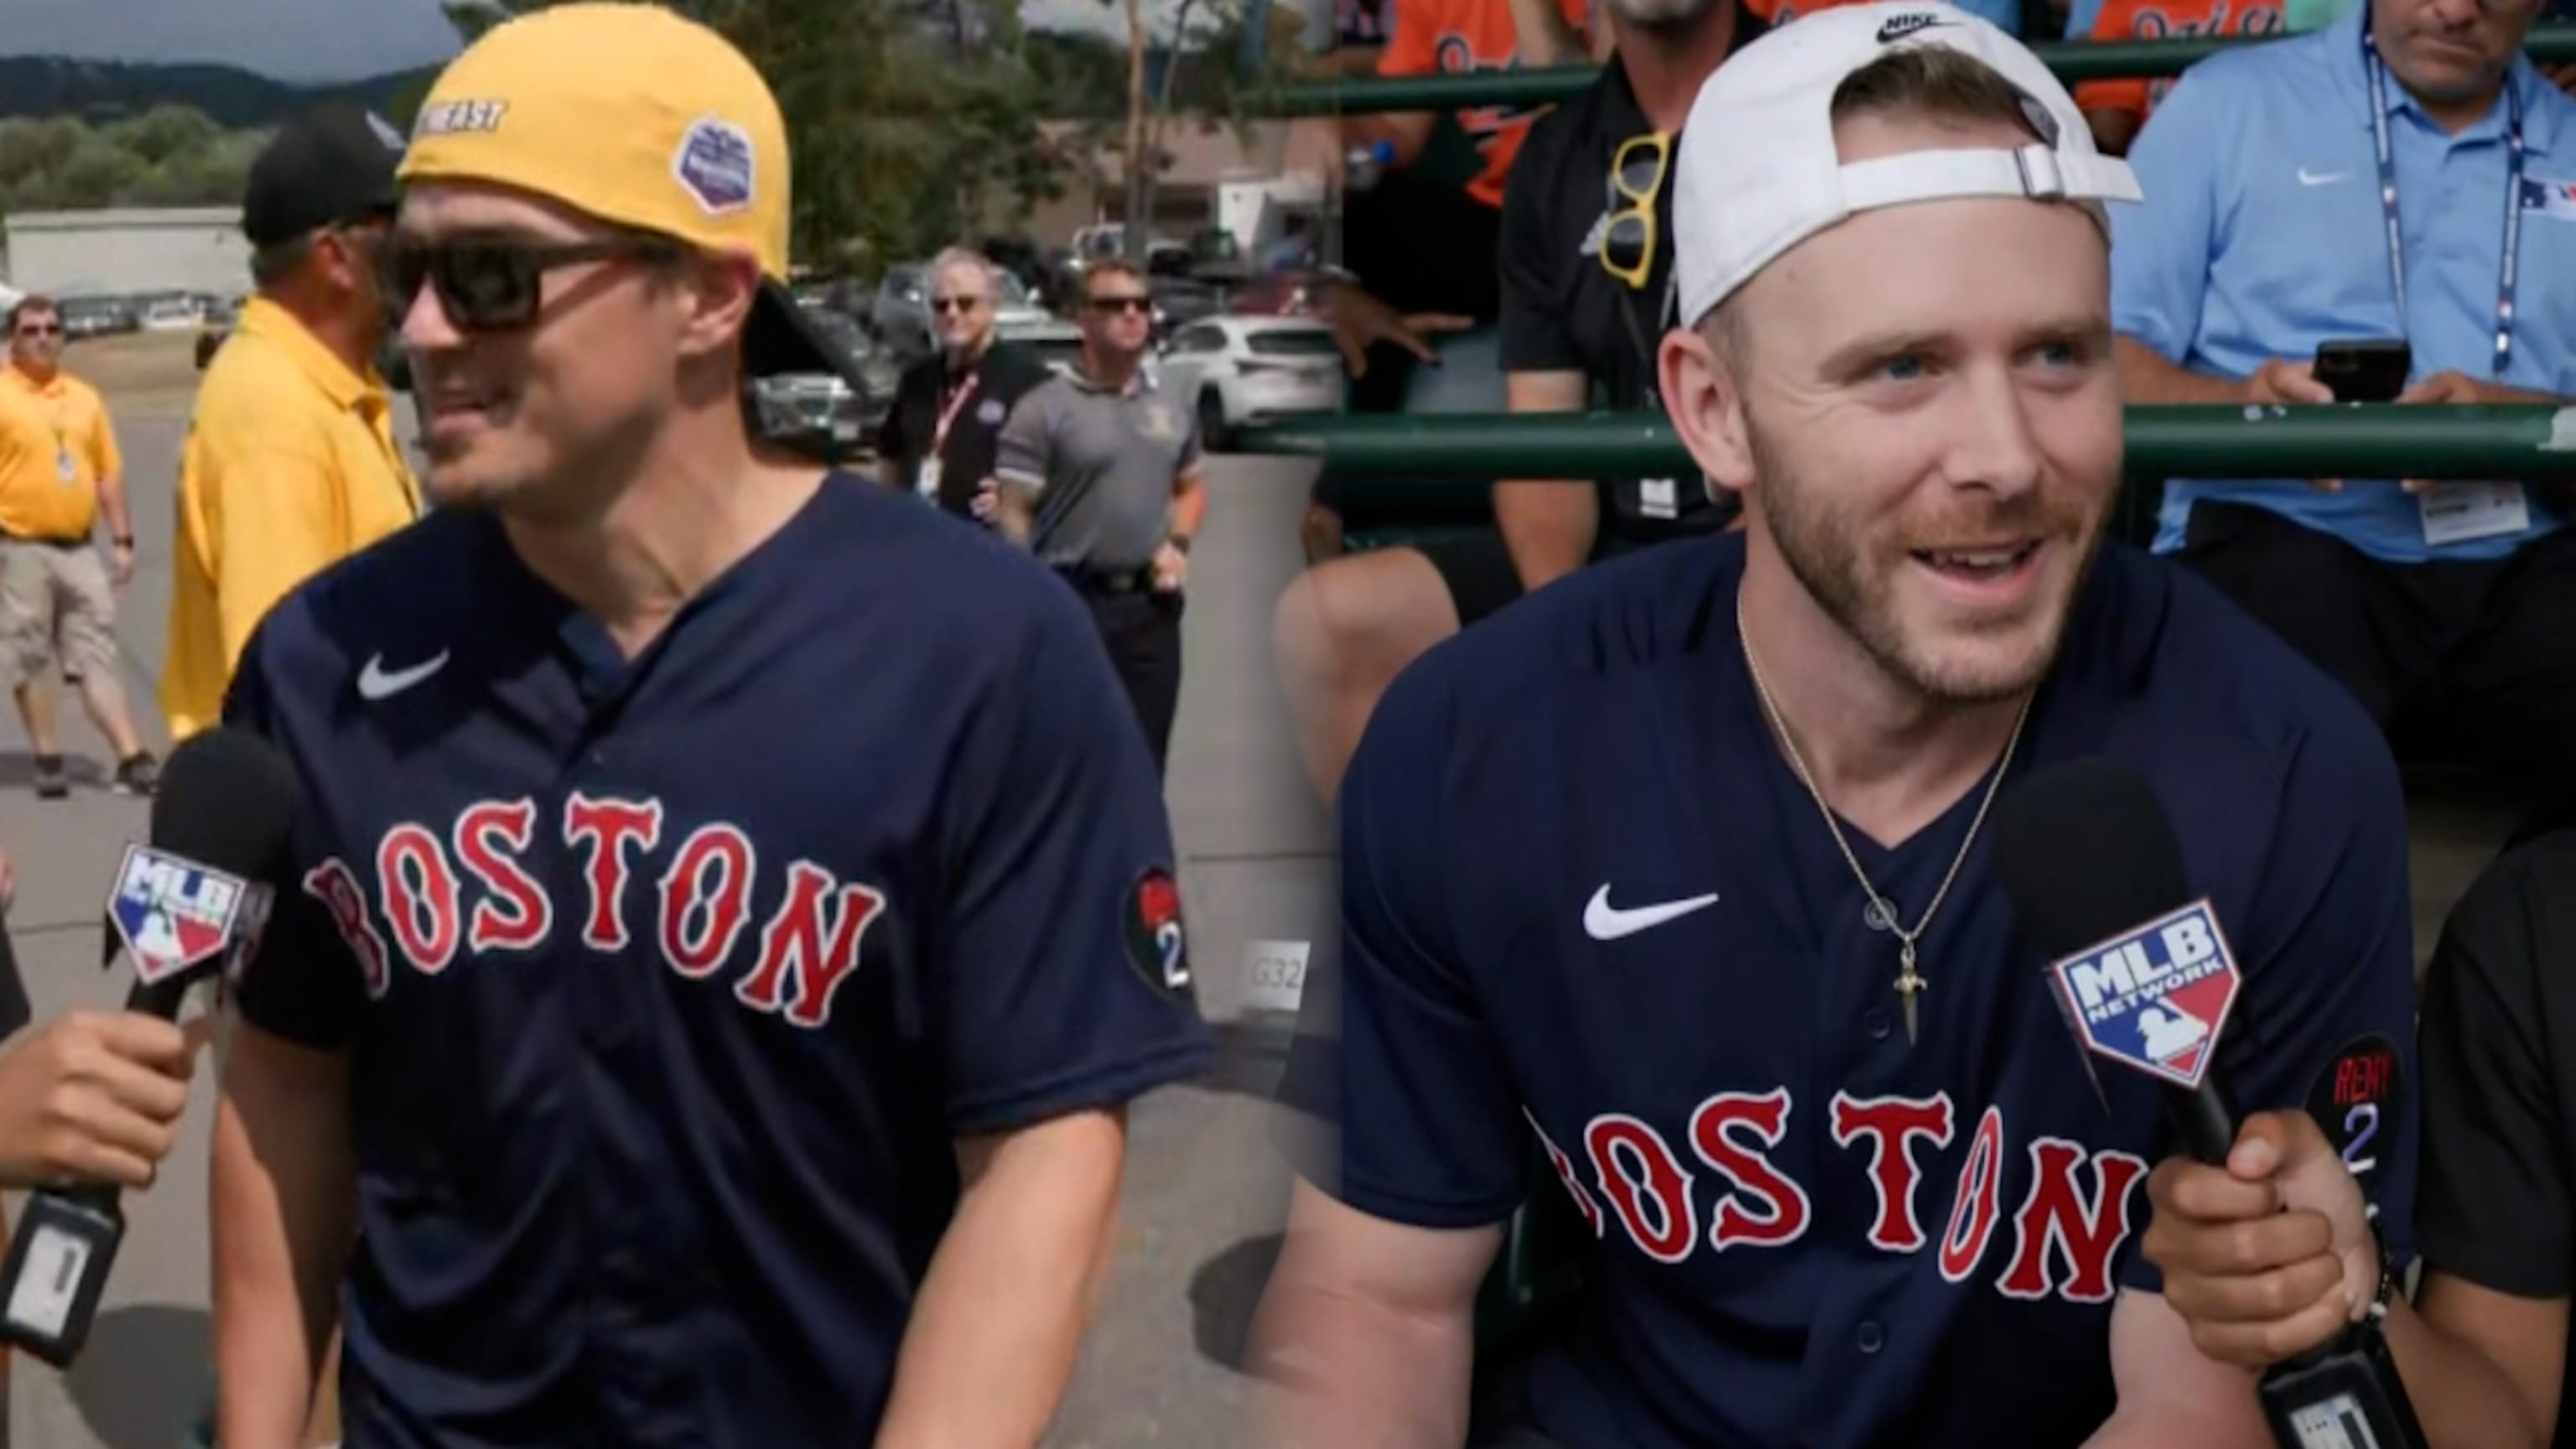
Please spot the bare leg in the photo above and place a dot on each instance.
(1343, 631)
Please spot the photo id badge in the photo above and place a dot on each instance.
(2459, 512)
(928, 483)
(64, 467)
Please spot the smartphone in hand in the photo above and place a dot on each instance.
(2371, 369)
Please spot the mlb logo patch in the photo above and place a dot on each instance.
(2549, 198)
(714, 164)
(2154, 998)
(172, 914)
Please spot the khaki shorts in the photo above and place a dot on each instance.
(55, 604)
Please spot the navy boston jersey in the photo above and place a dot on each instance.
(669, 985)
(1593, 921)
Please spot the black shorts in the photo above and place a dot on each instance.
(1477, 569)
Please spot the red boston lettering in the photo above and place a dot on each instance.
(603, 830)
(1645, 1184)
(1973, 1206)
(1780, 1210)
(419, 891)
(2086, 1232)
(820, 952)
(706, 900)
(1893, 1125)
(514, 914)
(338, 890)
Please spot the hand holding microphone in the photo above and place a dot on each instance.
(88, 1104)
(92, 1097)
(2270, 1256)
(2140, 965)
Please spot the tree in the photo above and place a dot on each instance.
(908, 119)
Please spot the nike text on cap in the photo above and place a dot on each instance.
(1759, 171)
(641, 118)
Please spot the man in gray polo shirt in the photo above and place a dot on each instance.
(1098, 475)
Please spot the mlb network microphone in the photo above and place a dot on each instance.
(2154, 997)
(179, 921)
(174, 916)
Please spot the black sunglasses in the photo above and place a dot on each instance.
(492, 286)
(1122, 304)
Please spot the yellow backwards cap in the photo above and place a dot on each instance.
(639, 117)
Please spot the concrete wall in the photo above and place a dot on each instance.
(117, 253)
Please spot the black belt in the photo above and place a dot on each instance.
(1084, 577)
(60, 543)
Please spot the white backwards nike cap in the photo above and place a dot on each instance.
(1759, 173)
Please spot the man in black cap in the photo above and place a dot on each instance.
(291, 462)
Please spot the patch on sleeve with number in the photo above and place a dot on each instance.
(2355, 1101)
(1156, 945)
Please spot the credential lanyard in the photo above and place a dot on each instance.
(2388, 195)
(948, 414)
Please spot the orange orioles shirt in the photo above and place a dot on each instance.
(1452, 37)
(2165, 20)
(1776, 13)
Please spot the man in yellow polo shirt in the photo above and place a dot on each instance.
(291, 462)
(59, 470)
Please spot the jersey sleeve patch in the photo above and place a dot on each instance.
(1157, 944)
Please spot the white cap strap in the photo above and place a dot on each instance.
(2036, 171)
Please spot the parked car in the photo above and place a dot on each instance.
(97, 317)
(900, 320)
(1056, 343)
(1180, 301)
(171, 312)
(1244, 371)
(819, 412)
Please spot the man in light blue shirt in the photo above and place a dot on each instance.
(2447, 608)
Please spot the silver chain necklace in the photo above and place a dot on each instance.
(1909, 983)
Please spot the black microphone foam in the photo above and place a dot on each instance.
(2086, 852)
(226, 801)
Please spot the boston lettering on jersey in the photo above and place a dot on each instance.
(2072, 1217)
(465, 887)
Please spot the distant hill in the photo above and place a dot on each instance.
(99, 91)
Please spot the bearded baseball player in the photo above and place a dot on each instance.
(1676, 877)
(732, 903)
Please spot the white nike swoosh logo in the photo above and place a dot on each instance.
(2311, 178)
(1605, 922)
(377, 682)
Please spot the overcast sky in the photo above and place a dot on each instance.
(306, 41)
(300, 41)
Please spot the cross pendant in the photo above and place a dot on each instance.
(1908, 984)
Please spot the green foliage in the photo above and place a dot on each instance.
(168, 156)
(913, 122)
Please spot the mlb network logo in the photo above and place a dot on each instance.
(2154, 998)
(172, 913)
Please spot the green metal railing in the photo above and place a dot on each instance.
(2372, 441)
(2073, 61)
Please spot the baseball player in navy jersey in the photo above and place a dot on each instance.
(1676, 877)
(731, 903)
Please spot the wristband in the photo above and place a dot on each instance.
(1178, 542)
(123, 540)
(2386, 1291)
